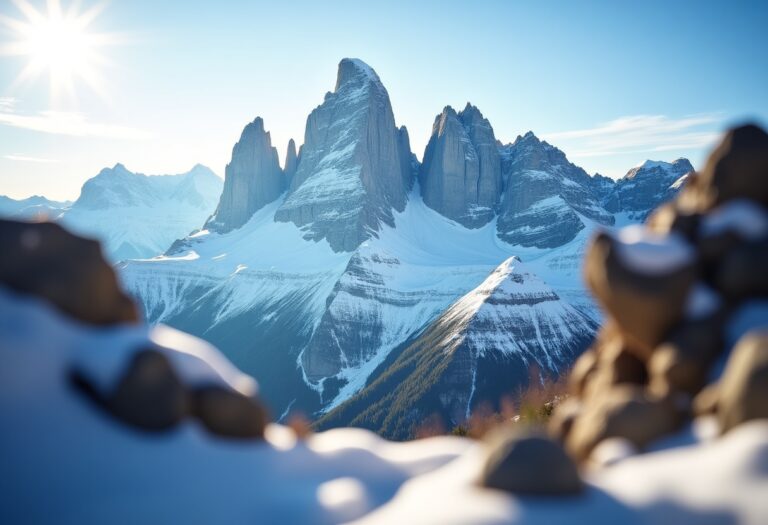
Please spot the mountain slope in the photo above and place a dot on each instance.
(477, 351)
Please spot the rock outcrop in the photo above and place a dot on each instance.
(679, 307)
(544, 195)
(350, 178)
(70, 272)
(461, 173)
(252, 179)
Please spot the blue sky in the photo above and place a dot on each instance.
(610, 84)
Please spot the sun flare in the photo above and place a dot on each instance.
(58, 43)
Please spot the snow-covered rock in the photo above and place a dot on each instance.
(461, 172)
(136, 215)
(350, 176)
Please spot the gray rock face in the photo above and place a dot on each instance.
(291, 162)
(350, 177)
(544, 194)
(461, 174)
(409, 164)
(644, 187)
(252, 179)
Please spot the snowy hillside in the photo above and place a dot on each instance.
(90, 468)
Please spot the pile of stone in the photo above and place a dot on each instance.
(46, 261)
(685, 298)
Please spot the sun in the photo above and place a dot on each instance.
(58, 43)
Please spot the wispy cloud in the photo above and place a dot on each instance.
(69, 123)
(7, 103)
(27, 158)
(640, 134)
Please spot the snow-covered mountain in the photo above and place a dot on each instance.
(639, 191)
(140, 216)
(476, 351)
(31, 208)
(317, 277)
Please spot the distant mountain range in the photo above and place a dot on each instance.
(134, 215)
(360, 286)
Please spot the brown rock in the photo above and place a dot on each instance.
(705, 403)
(563, 417)
(743, 389)
(743, 271)
(529, 464)
(45, 260)
(621, 364)
(225, 412)
(669, 218)
(682, 362)
(623, 411)
(643, 305)
(582, 369)
(737, 168)
(149, 395)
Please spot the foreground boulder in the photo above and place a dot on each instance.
(743, 390)
(45, 260)
(622, 412)
(529, 465)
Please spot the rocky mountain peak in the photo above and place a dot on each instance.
(252, 179)
(545, 195)
(353, 72)
(461, 173)
(350, 177)
(645, 186)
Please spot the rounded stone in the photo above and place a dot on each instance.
(69, 271)
(530, 464)
(225, 412)
(149, 395)
(625, 412)
(743, 389)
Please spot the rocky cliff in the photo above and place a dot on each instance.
(252, 179)
(544, 195)
(461, 173)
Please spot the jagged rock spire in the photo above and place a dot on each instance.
(350, 178)
(461, 174)
(291, 162)
(252, 179)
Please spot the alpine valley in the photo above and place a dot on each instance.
(362, 287)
